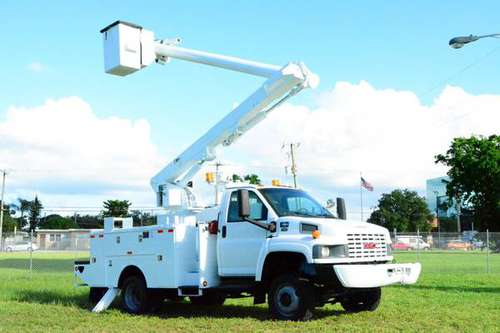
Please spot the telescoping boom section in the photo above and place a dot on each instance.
(129, 47)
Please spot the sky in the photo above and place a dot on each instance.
(392, 94)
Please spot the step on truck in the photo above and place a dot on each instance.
(272, 243)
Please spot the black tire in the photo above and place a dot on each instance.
(365, 300)
(95, 295)
(291, 298)
(209, 299)
(135, 295)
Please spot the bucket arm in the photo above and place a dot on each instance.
(171, 183)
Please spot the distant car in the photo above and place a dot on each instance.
(21, 247)
(401, 246)
(414, 242)
(458, 245)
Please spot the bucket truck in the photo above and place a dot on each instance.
(272, 243)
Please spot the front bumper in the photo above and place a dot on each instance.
(377, 275)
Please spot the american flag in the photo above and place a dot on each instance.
(366, 185)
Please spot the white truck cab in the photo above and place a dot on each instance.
(275, 242)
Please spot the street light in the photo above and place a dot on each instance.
(458, 42)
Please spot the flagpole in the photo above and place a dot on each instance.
(361, 195)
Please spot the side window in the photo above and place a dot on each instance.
(258, 211)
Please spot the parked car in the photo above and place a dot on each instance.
(458, 244)
(414, 242)
(401, 246)
(25, 246)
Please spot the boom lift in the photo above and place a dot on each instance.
(269, 242)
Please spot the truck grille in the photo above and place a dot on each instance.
(366, 245)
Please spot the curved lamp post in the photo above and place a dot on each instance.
(458, 42)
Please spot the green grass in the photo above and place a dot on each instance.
(453, 294)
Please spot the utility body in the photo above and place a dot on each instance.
(276, 243)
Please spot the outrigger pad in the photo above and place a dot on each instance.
(106, 300)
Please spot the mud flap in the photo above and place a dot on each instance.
(106, 300)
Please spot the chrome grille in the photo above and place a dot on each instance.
(376, 246)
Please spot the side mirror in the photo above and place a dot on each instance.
(341, 212)
(244, 204)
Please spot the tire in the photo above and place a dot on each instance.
(209, 299)
(366, 300)
(135, 295)
(95, 295)
(9, 249)
(291, 298)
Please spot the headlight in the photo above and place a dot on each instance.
(326, 251)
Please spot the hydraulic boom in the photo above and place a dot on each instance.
(129, 47)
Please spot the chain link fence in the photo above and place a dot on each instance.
(449, 252)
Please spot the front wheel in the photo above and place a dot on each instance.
(366, 300)
(291, 298)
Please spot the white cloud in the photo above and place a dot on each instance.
(71, 157)
(61, 149)
(36, 67)
(389, 135)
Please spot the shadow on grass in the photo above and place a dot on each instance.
(471, 289)
(167, 310)
(52, 297)
(40, 265)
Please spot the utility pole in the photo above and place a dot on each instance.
(217, 181)
(291, 155)
(1, 208)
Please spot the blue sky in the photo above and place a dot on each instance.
(53, 50)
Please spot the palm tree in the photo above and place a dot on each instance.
(23, 207)
(116, 208)
(35, 209)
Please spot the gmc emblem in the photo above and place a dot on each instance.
(369, 246)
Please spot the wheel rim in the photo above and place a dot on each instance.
(287, 300)
(133, 296)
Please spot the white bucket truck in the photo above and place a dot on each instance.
(273, 242)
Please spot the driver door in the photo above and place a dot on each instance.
(239, 241)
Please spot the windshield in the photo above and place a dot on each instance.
(286, 202)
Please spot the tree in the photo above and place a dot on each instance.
(250, 178)
(89, 221)
(116, 208)
(9, 223)
(35, 209)
(253, 179)
(141, 218)
(475, 177)
(23, 207)
(55, 221)
(402, 210)
(236, 178)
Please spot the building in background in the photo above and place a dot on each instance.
(436, 196)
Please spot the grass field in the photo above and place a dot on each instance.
(453, 294)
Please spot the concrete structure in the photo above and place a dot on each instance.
(60, 240)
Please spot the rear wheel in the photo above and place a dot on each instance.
(291, 298)
(135, 295)
(209, 299)
(366, 300)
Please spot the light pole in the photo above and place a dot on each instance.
(460, 41)
(437, 218)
